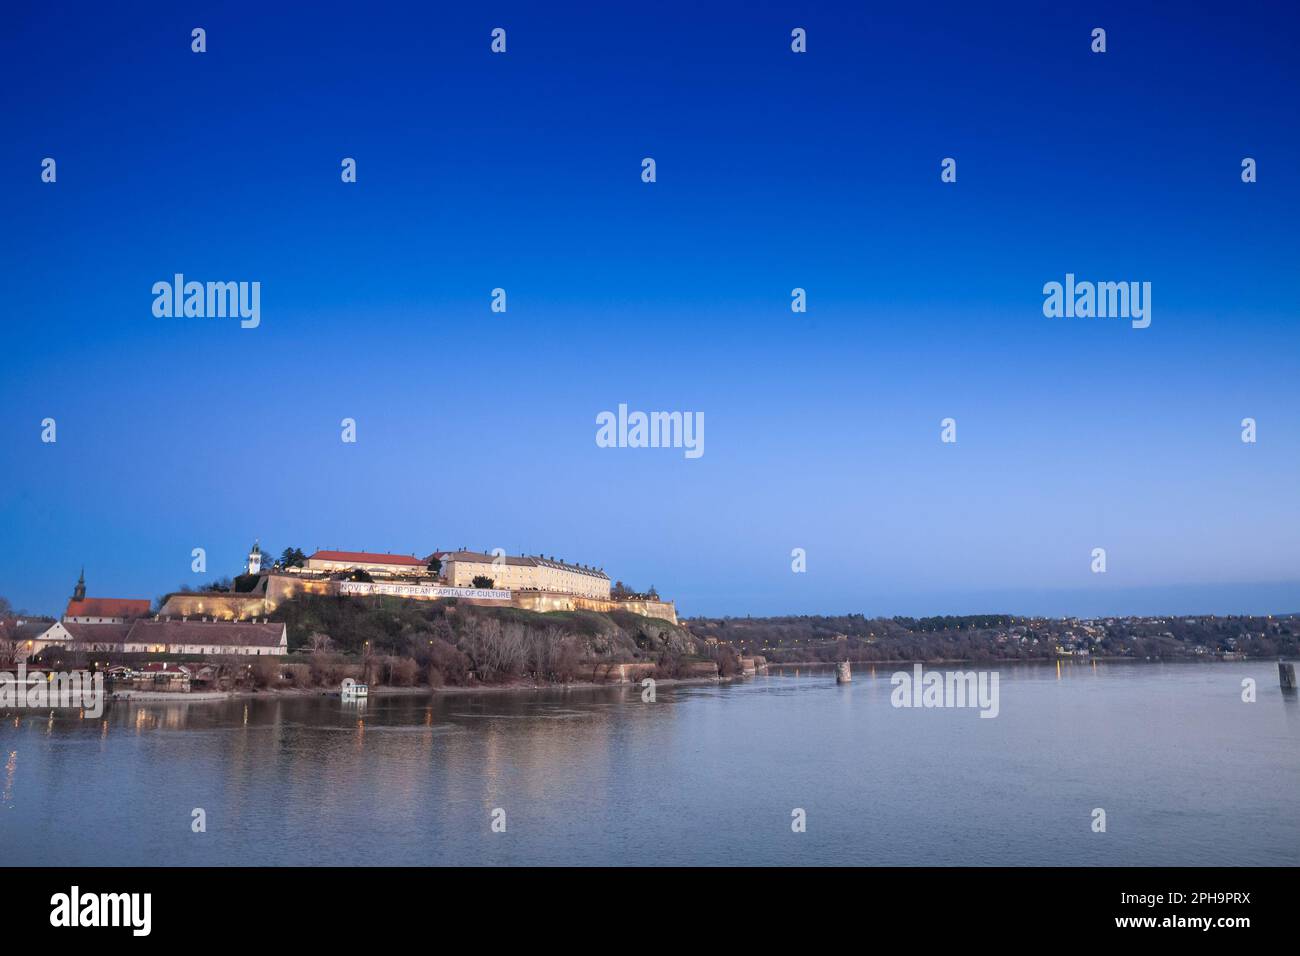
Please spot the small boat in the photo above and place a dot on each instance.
(354, 690)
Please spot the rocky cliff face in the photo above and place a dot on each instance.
(621, 634)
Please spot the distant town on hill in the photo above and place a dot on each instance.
(855, 637)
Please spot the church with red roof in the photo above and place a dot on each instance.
(84, 610)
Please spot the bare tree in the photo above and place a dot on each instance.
(496, 650)
(266, 672)
(552, 654)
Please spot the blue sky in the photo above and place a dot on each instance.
(775, 170)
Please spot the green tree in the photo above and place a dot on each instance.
(435, 565)
(292, 558)
(360, 574)
(483, 581)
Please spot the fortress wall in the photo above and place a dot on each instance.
(242, 606)
(605, 673)
(224, 607)
(664, 610)
(282, 587)
(279, 588)
(559, 601)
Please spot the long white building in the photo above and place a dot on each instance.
(366, 561)
(523, 573)
(161, 637)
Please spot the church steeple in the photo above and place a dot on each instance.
(79, 592)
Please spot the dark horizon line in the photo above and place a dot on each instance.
(1025, 617)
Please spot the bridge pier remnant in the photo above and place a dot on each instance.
(1286, 675)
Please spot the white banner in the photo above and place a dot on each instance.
(421, 591)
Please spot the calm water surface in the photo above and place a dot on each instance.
(708, 774)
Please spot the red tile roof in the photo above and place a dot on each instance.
(365, 557)
(215, 633)
(97, 633)
(163, 667)
(108, 607)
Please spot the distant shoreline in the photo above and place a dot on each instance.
(1001, 662)
(149, 697)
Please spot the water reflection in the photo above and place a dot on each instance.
(11, 766)
(706, 774)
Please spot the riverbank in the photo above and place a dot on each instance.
(520, 687)
(1013, 662)
(144, 696)
(165, 695)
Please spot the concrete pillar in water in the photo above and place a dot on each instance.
(1286, 674)
(843, 674)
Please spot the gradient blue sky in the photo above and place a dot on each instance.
(775, 170)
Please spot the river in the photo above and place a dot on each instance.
(1186, 772)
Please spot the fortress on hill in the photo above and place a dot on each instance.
(532, 582)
